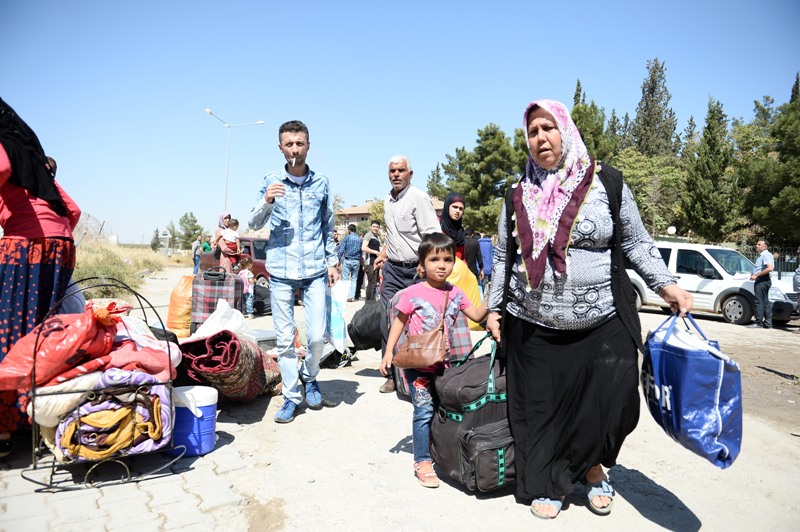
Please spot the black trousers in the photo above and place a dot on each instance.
(572, 399)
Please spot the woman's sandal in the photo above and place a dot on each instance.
(600, 489)
(555, 503)
(425, 474)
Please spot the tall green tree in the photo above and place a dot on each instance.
(654, 126)
(436, 186)
(482, 174)
(710, 200)
(189, 229)
(590, 120)
(155, 242)
(795, 89)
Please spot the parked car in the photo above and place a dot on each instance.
(719, 279)
(254, 246)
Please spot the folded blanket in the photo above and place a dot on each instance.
(129, 414)
(236, 367)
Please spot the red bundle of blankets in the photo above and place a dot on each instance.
(236, 367)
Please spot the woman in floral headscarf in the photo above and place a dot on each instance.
(566, 314)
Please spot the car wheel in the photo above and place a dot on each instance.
(638, 302)
(737, 309)
(262, 281)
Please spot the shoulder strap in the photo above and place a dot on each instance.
(621, 286)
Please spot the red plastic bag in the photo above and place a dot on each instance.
(66, 341)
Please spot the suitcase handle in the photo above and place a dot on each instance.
(215, 273)
(490, 380)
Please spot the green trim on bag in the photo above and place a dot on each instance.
(475, 405)
(501, 466)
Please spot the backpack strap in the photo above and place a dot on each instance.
(621, 287)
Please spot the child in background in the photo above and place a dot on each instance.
(231, 238)
(246, 274)
(420, 306)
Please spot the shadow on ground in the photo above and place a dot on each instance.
(655, 503)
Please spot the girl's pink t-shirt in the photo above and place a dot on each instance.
(423, 306)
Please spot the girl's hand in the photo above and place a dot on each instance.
(386, 363)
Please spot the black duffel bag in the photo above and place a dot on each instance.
(364, 330)
(470, 436)
(262, 304)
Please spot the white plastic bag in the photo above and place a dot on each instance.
(336, 330)
(224, 318)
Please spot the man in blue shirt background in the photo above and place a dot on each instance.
(761, 285)
(350, 259)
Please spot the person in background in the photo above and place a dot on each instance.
(371, 246)
(298, 205)
(221, 250)
(230, 238)
(762, 282)
(409, 215)
(350, 259)
(472, 255)
(207, 244)
(249, 282)
(565, 313)
(485, 242)
(452, 220)
(37, 251)
(197, 249)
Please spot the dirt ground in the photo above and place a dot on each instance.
(769, 360)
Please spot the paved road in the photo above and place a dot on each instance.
(350, 468)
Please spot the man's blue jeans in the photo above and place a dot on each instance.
(350, 268)
(196, 264)
(282, 295)
(763, 313)
(419, 387)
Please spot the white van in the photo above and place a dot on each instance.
(718, 278)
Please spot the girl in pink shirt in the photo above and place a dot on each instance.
(422, 306)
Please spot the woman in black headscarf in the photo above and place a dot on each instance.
(452, 220)
(37, 253)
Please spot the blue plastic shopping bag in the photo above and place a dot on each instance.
(693, 391)
(336, 327)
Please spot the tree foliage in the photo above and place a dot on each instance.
(155, 242)
(481, 175)
(657, 184)
(653, 128)
(189, 229)
(710, 200)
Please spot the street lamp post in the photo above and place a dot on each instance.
(228, 152)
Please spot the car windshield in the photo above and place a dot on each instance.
(731, 261)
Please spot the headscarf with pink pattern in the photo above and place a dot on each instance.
(546, 202)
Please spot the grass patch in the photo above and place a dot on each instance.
(97, 259)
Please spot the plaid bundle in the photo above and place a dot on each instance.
(211, 285)
(236, 367)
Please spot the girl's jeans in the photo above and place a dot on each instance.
(420, 387)
(248, 303)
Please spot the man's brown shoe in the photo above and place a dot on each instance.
(388, 386)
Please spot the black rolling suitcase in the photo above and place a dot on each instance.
(211, 285)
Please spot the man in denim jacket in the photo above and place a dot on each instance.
(298, 206)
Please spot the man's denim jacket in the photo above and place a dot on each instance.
(301, 225)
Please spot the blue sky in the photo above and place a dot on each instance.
(117, 90)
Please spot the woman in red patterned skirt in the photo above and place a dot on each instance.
(37, 253)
